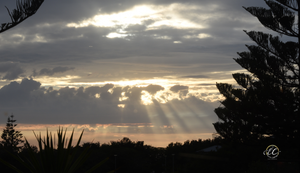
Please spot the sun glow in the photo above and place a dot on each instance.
(200, 89)
(121, 105)
(133, 16)
(123, 97)
(115, 35)
(146, 98)
(138, 83)
(160, 16)
(56, 81)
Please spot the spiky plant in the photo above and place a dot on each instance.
(63, 159)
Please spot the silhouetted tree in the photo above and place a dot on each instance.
(25, 9)
(267, 99)
(10, 137)
(27, 147)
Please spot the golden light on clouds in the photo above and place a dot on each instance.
(121, 105)
(197, 88)
(160, 15)
(56, 81)
(123, 97)
(133, 16)
(202, 35)
(138, 83)
(146, 98)
(115, 35)
(18, 38)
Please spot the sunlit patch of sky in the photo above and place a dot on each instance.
(105, 133)
(161, 16)
(56, 81)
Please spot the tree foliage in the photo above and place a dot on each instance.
(10, 137)
(25, 9)
(267, 99)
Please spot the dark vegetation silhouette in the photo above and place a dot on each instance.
(120, 156)
(264, 108)
(25, 9)
(266, 103)
(126, 156)
(52, 156)
(11, 138)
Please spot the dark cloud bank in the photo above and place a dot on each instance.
(10, 71)
(50, 72)
(34, 104)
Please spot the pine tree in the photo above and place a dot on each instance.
(10, 137)
(25, 9)
(266, 102)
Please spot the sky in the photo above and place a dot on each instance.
(146, 70)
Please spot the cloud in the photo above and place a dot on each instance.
(181, 90)
(195, 76)
(177, 88)
(207, 84)
(34, 104)
(50, 72)
(152, 89)
(15, 93)
(11, 70)
(45, 38)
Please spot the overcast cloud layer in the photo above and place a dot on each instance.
(124, 61)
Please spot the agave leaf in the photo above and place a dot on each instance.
(80, 138)
(97, 165)
(71, 139)
(67, 166)
(80, 160)
(60, 148)
(68, 153)
(49, 153)
(10, 165)
(42, 159)
(29, 165)
(52, 153)
(112, 171)
(52, 143)
(77, 164)
(69, 148)
(34, 162)
(63, 138)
